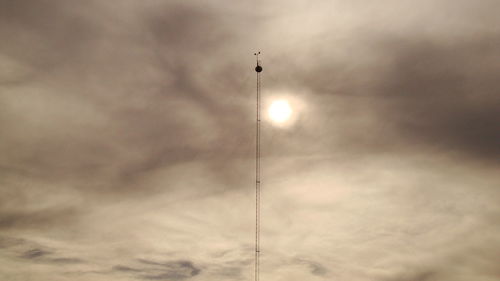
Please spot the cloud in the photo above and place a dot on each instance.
(35, 219)
(35, 253)
(128, 144)
(123, 268)
(315, 267)
(443, 96)
(49, 257)
(6, 242)
(152, 270)
(420, 276)
(67, 260)
(422, 94)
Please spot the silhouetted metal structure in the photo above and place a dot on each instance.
(258, 69)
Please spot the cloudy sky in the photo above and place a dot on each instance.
(127, 140)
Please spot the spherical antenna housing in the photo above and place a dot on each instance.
(258, 68)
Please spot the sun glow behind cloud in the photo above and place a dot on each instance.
(280, 111)
(133, 157)
(283, 108)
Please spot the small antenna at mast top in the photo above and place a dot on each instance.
(258, 68)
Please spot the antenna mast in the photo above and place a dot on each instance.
(258, 69)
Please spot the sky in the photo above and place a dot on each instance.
(127, 140)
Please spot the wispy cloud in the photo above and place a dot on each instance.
(127, 140)
(153, 270)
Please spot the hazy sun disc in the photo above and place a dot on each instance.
(280, 111)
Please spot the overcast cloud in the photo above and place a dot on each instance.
(127, 140)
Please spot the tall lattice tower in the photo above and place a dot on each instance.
(258, 70)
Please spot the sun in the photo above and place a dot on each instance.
(280, 111)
